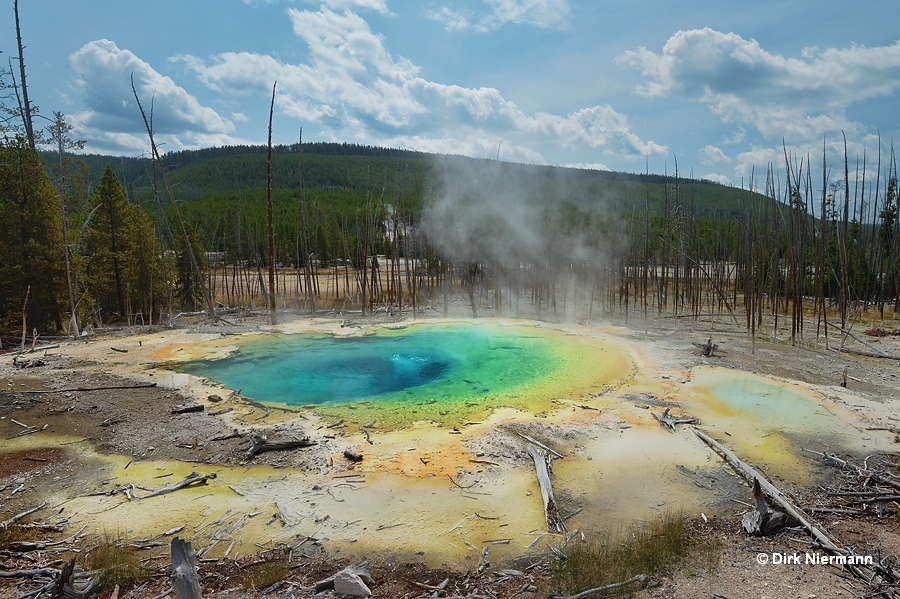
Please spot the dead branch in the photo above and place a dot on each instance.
(863, 572)
(539, 444)
(555, 522)
(192, 479)
(18, 517)
(584, 594)
(670, 422)
(261, 444)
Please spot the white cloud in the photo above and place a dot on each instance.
(377, 5)
(354, 89)
(104, 78)
(451, 19)
(546, 14)
(591, 166)
(717, 178)
(713, 155)
(736, 137)
(780, 96)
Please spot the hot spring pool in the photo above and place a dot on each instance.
(450, 373)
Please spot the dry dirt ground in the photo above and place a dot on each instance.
(139, 423)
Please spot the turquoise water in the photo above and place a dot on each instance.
(732, 398)
(440, 364)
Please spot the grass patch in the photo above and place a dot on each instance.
(118, 563)
(655, 548)
(266, 573)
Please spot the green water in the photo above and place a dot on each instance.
(765, 421)
(448, 373)
(737, 399)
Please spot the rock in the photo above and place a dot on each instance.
(214, 398)
(347, 582)
(353, 456)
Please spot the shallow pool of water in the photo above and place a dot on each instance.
(766, 421)
(448, 373)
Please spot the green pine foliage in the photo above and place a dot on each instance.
(122, 255)
(31, 244)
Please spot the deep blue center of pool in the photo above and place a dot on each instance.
(431, 363)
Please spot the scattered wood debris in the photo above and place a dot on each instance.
(880, 576)
(669, 422)
(261, 443)
(708, 349)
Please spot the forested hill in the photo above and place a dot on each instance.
(329, 167)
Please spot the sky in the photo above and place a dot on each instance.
(721, 88)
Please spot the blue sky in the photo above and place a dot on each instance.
(717, 85)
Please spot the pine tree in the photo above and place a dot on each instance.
(31, 246)
(122, 263)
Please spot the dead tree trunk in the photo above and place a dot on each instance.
(551, 510)
(184, 572)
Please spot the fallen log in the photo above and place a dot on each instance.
(888, 573)
(187, 409)
(846, 332)
(192, 479)
(867, 354)
(541, 459)
(773, 492)
(35, 349)
(260, 444)
(18, 517)
(30, 573)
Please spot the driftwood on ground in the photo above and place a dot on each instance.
(129, 490)
(18, 517)
(708, 349)
(260, 444)
(670, 422)
(541, 459)
(871, 574)
(642, 578)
